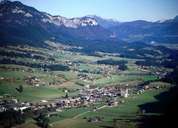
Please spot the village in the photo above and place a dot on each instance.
(110, 96)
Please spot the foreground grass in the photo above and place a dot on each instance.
(30, 93)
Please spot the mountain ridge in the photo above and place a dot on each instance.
(21, 23)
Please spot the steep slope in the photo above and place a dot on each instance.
(23, 24)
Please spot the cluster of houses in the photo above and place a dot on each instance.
(85, 77)
(12, 103)
(32, 80)
(108, 69)
(97, 94)
(86, 97)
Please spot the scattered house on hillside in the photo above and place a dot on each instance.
(146, 87)
(87, 86)
(2, 78)
(32, 80)
(44, 101)
(94, 119)
(124, 92)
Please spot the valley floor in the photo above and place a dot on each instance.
(75, 90)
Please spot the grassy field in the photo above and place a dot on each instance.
(116, 79)
(30, 93)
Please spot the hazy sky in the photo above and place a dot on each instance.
(122, 10)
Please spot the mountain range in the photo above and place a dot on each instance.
(23, 24)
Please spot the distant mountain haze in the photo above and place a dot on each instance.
(23, 24)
